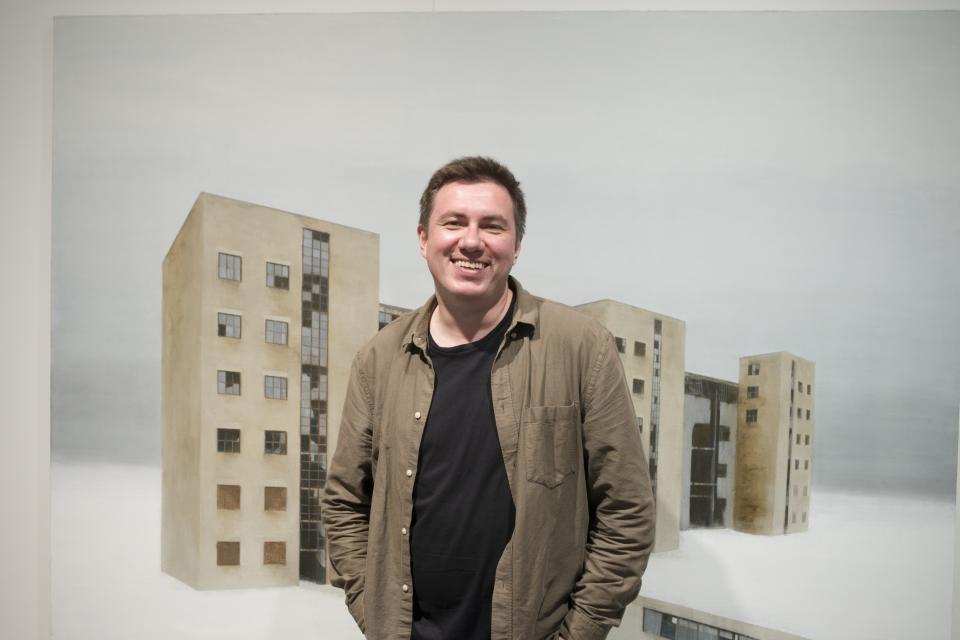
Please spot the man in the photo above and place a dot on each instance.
(489, 480)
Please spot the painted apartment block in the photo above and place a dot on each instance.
(709, 451)
(652, 349)
(263, 311)
(775, 432)
(649, 619)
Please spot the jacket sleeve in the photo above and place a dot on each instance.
(349, 488)
(621, 530)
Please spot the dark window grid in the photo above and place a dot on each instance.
(228, 325)
(753, 369)
(278, 276)
(275, 442)
(806, 439)
(638, 386)
(621, 344)
(639, 348)
(800, 387)
(276, 331)
(228, 440)
(753, 392)
(275, 387)
(808, 414)
(275, 552)
(228, 382)
(751, 415)
(229, 266)
(809, 389)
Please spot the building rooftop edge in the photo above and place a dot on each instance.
(214, 196)
(705, 377)
(632, 306)
(777, 353)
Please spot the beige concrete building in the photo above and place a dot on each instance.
(652, 348)
(263, 312)
(649, 619)
(775, 432)
(388, 313)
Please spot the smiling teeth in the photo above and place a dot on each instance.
(469, 265)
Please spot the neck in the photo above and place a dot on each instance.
(454, 322)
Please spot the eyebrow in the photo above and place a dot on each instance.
(492, 217)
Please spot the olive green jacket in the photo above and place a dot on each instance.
(571, 447)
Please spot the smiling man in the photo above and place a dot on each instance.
(489, 480)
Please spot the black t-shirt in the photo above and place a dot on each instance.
(463, 513)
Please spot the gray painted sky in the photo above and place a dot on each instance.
(778, 181)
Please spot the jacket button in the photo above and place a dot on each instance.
(403, 530)
(513, 335)
(405, 588)
(416, 414)
(409, 472)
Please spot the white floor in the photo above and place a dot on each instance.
(877, 568)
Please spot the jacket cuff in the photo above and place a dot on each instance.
(577, 626)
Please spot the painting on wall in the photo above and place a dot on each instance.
(761, 207)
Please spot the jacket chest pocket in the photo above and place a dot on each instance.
(550, 446)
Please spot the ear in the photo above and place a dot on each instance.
(422, 236)
(516, 251)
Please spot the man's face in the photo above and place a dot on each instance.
(471, 243)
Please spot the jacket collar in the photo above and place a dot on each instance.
(526, 316)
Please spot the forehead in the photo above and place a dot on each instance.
(473, 198)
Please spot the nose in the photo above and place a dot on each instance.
(470, 240)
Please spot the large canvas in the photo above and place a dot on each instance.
(776, 181)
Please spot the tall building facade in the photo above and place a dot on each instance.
(263, 311)
(388, 313)
(652, 349)
(709, 451)
(775, 432)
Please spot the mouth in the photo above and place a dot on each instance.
(470, 265)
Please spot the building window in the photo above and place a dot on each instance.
(639, 348)
(724, 435)
(275, 387)
(228, 440)
(800, 387)
(228, 496)
(796, 464)
(803, 518)
(278, 276)
(753, 392)
(640, 423)
(229, 267)
(621, 344)
(794, 518)
(798, 438)
(721, 470)
(809, 388)
(751, 415)
(275, 442)
(228, 554)
(275, 498)
(799, 412)
(274, 552)
(228, 325)
(638, 386)
(753, 369)
(808, 414)
(228, 383)
(276, 332)
(806, 465)
(806, 439)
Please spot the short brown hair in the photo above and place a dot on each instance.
(473, 169)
